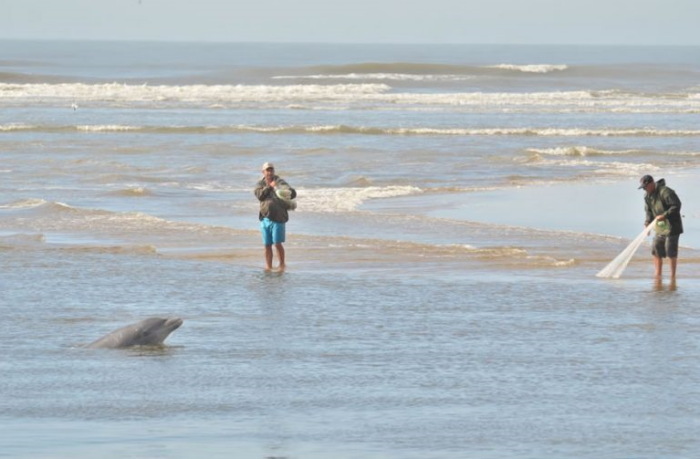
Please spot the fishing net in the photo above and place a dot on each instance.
(285, 194)
(617, 266)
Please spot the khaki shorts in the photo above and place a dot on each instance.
(665, 246)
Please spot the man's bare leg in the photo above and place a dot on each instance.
(280, 255)
(658, 266)
(268, 258)
(674, 263)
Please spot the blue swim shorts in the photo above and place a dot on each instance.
(272, 232)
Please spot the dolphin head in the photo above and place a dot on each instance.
(148, 332)
(155, 330)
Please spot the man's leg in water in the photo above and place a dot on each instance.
(280, 255)
(658, 266)
(674, 263)
(268, 257)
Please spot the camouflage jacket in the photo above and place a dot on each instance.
(664, 201)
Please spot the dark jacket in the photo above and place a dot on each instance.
(664, 201)
(271, 206)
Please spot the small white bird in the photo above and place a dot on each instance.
(74, 106)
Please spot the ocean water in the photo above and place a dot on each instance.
(454, 205)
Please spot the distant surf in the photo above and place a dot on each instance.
(366, 96)
(365, 130)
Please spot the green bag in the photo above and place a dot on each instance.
(662, 227)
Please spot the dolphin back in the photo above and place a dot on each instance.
(122, 337)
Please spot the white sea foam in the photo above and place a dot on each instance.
(15, 127)
(24, 204)
(545, 132)
(395, 131)
(625, 169)
(346, 199)
(210, 94)
(216, 187)
(107, 128)
(527, 131)
(583, 151)
(579, 151)
(49, 208)
(367, 96)
(561, 263)
(532, 68)
(617, 168)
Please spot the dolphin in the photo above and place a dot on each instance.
(148, 332)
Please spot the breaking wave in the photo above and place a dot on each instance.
(367, 96)
(121, 92)
(24, 204)
(367, 130)
(107, 128)
(347, 199)
(534, 68)
(413, 69)
(581, 151)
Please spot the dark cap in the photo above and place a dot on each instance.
(644, 181)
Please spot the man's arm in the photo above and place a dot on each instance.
(262, 190)
(648, 213)
(671, 202)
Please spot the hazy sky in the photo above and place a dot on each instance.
(661, 22)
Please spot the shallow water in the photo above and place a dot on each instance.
(409, 363)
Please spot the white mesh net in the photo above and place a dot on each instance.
(617, 266)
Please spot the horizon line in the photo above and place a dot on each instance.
(342, 43)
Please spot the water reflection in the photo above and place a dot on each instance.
(660, 285)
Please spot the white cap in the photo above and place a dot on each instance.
(268, 166)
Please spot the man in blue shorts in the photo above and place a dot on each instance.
(661, 203)
(273, 213)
